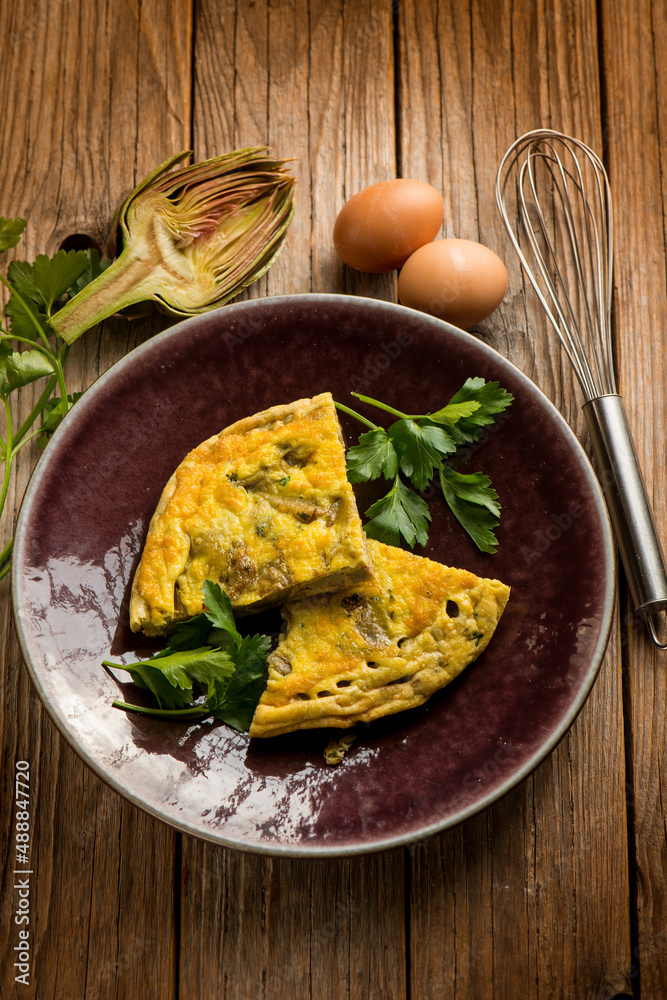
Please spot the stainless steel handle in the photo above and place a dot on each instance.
(629, 510)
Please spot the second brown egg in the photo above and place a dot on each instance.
(459, 281)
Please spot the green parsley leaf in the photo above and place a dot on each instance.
(47, 280)
(236, 705)
(218, 610)
(420, 449)
(169, 678)
(35, 290)
(399, 514)
(453, 412)
(18, 369)
(94, 267)
(168, 683)
(188, 635)
(10, 232)
(53, 413)
(474, 503)
(206, 665)
(234, 676)
(421, 443)
(25, 318)
(374, 456)
(475, 488)
(492, 401)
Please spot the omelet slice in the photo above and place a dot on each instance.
(378, 647)
(264, 508)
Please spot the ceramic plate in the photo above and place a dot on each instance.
(88, 506)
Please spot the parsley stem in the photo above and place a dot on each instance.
(171, 713)
(357, 416)
(19, 444)
(30, 313)
(61, 385)
(44, 347)
(63, 351)
(46, 351)
(8, 457)
(382, 406)
(6, 566)
(4, 556)
(37, 408)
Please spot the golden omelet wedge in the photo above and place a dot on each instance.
(264, 508)
(379, 647)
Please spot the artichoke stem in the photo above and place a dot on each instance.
(124, 283)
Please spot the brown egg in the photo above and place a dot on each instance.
(378, 228)
(459, 281)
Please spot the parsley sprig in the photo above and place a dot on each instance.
(413, 450)
(207, 654)
(36, 292)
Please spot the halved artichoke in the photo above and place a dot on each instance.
(191, 239)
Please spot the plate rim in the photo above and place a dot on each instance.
(303, 849)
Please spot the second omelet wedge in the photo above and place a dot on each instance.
(378, 647)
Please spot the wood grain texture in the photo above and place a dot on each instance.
(95, 95)
(315, 82)
(636, 130)
(279, 928)
(560, 913)
(541, 895)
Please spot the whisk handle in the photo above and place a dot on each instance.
(629, 510)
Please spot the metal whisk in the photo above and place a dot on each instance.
(563, 213)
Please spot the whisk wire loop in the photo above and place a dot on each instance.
(567, 327)
(581, 317)
(593, 264)
(564, 213)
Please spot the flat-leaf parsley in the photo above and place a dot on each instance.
(413, 450)
(228, 669)
(29, 348)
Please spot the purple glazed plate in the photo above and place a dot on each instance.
(410, 775)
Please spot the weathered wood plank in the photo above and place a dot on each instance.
(635, 49)
(314, 81)
(532, 896)
(549, 912)
(95, 95)
(280, 928)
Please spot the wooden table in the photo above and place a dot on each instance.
(559, 889)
